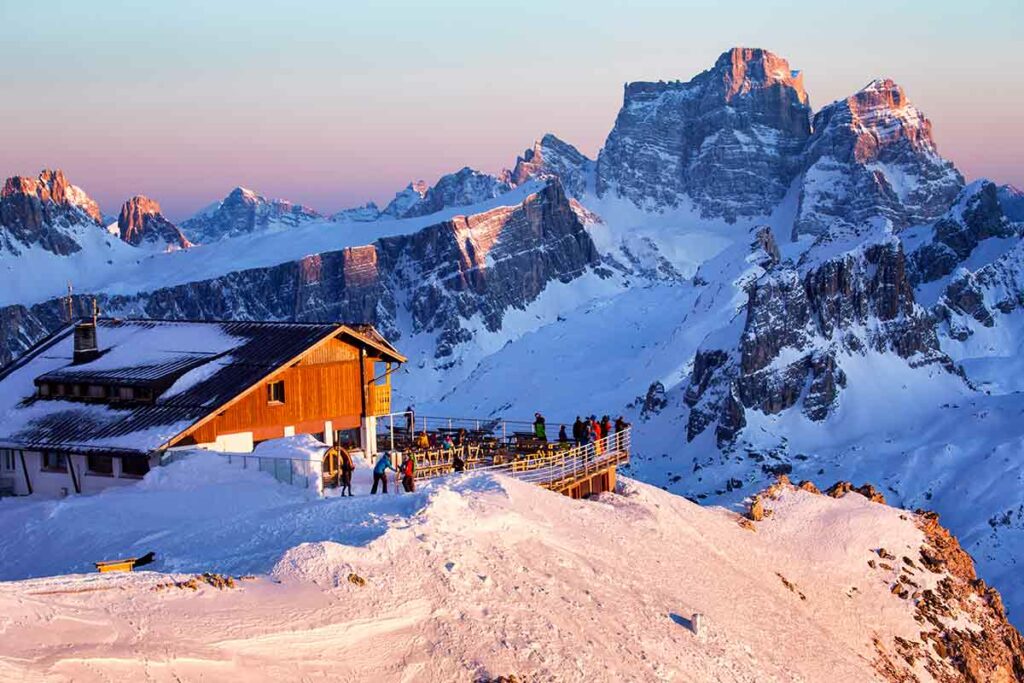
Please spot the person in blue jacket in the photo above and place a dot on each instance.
(380, 472)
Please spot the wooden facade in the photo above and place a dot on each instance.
(331, 383)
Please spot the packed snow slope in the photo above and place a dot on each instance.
(475, 576)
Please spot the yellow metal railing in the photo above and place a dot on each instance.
(552, 468)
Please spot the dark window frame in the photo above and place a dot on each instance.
(107, 461)
(140, 472)
(61, 459)
(275, 392)
(8, 460)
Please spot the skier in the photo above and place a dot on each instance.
(347, 467)
(539, 429)
(380, 472)
(409, 473)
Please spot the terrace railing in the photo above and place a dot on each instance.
(553, 468)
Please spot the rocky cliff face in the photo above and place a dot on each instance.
(244, 212)
(799, 322)
(444, 278)
(46, 211)
(141, 223)
(975, 217)
(729, 140)
(550, 157)
(462, 188)
(480, 266)
(872, 161)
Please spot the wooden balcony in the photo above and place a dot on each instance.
(378, 399)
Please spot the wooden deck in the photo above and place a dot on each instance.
(573, 471)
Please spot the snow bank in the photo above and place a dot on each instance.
(305, 447)
(481, 575)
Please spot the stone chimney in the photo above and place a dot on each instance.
(86, 345)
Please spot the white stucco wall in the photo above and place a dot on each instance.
(54, 484)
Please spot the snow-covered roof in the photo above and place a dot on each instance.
(192, 367)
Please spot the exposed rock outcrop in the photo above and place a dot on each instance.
(991, 649)
(46, 211)
(729, 140)
(977, 215)
(480, 264)
(141, 222)
(799, 322)
(841, 488)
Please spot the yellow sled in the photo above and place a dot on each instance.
(124, 565)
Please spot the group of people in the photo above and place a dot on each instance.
(590, 429)
(406, 470)
(584, 430)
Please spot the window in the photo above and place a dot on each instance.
(97, 391)
(144, 394)
(347, 438)
(134, 466)
(59, 390)
(7, 459)
(101, 464)
(77, 389)
(52, 460)
(275, 392)
(44, 389)
(125, 393)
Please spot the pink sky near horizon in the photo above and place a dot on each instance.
(333, 106)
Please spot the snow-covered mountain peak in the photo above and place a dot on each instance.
(872, 163)
(553, 157)
(244, 211)
(728, 140)
(47, 212)
(462, 188)
(52, 186)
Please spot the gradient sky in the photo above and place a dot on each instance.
(331, 104)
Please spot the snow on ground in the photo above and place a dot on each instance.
(198, 514)
(922, 436)
(472, 576)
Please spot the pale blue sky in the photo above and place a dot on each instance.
(331, 104)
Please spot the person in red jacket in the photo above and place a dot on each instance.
(598, 435)
(409, 473)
